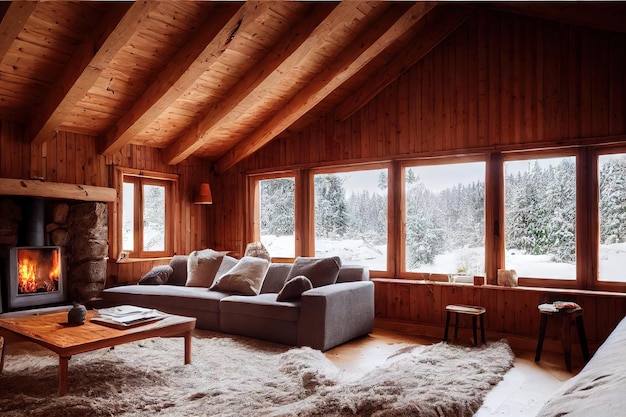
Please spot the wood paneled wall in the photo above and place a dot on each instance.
(501, 82)
(72, 158)
(413, 306)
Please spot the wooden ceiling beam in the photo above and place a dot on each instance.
(13, 23)
(429, 35)
(354, 57)
(85, 66)
(182, 71)
(292, 50)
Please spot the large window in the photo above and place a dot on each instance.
(277, 216)
(540, 217)
(146, 215)
(351, 215)
(612, 217)
(445, 218)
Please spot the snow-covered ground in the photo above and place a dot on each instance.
(355, 251)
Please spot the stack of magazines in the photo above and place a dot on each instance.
(126, 316)
(557, 306)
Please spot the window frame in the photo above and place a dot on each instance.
(141, 178)
(579, 223)
(587, 211)
(593, 269)
(391, 175)
(444, 160)
(253, 225)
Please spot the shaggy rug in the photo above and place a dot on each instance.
(233, 376)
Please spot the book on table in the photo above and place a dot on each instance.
(126, 316)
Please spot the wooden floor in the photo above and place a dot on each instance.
(522, 392)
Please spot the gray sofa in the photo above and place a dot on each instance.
(598, 389)
(323, 317)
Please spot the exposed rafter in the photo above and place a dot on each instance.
(286, 55)
(353, 58)
(13, 23)
(182, 71)
(429, 36)
(83, 70)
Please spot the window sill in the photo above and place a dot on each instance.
(134, 260)
(502, 288)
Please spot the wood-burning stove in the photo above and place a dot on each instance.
(36, 277)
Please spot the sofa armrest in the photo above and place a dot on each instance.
(333, 314)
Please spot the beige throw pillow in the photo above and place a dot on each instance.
(245, 278)
(202, 266)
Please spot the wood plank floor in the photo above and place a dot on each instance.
(522, 392)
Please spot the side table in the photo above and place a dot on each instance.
(568, 317)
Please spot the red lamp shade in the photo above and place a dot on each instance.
(204, 196)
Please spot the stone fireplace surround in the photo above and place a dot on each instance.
(81, 230)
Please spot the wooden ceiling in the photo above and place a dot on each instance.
(219, 80)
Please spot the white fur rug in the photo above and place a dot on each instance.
(233, 376)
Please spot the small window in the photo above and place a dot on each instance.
(147, 227)
(612, 214)
(445, 218)
(540, 217)
(351, 215)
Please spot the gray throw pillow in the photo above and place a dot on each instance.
(293, 289)
(179, 268)
(157, 275)
(320, 271)
(245, 278)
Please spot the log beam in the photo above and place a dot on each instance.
(44, 189)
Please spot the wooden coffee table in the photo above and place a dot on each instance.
(51, 331)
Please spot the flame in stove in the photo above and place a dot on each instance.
(26, 271)
(37, 276)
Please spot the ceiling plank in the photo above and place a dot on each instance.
(85, 66)
(430, 34)
(354, 57)
(183, 70)
(13, 23)
(284, 56)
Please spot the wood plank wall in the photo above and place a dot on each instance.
(72, 158)
(500, 82)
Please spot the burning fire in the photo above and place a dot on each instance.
(36, 274)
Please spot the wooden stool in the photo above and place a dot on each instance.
(567, 317)
(473, 311)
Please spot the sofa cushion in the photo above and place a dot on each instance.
(275, 278)
(261, 306)
(157, 275)
(293, 289)
(228, 262)
(244, 278)
(179, 270)
(320, 271)
(202, 265)
(165, 297)
(351, 273)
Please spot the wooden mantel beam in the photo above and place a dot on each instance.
(44, 189)
(354, 57)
